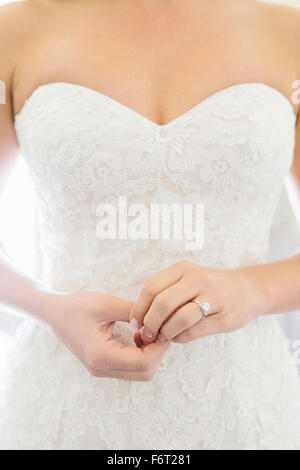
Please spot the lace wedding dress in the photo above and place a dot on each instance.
(231, 153)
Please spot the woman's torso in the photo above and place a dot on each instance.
(84, 149)
(161, 65)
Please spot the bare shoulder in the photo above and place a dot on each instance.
(286, 18)
(284, 23)
(16, 30)
(15, 17)
(21, 21)
(16, 20)
(276, 17)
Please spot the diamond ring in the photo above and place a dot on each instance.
(205, 308)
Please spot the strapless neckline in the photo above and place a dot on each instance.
(143, 118)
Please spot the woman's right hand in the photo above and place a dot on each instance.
(83, 321)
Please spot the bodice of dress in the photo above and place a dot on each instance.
(229, 153)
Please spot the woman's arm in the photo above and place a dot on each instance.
(282, 279)
(236, 297)
(83, 321)
(15, 289)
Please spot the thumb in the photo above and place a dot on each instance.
(116, 309)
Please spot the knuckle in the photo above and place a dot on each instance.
(208, 276)
(184, 322)
(183, 264)
(164, 304)
(148, 287)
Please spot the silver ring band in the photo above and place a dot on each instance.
(204, 307)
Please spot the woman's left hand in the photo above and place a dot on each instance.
(164, 306)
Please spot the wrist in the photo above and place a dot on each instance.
(259, 277)
(267, 298)
(40, 303)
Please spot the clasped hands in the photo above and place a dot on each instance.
(162, 313)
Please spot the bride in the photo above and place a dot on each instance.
(133, 342)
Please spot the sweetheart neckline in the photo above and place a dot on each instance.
(141, 116)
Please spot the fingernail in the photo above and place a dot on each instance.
(161, 337)
(147, 333)
(134, 324)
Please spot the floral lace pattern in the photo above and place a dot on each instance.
(231, 153)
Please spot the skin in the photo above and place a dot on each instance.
(170, 58)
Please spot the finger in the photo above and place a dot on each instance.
(146, 336)
(182, 320)
(186, 317)
(166, 303)
(120, 357)
(115, 309)
(138, 339)
(212, 325)
(151, 289)
(142, 338)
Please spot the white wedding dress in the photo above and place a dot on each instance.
(231, 153)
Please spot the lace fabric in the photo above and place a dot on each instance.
(230, 153)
